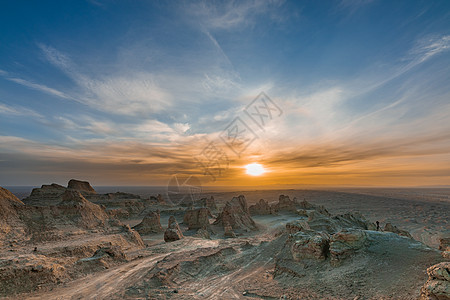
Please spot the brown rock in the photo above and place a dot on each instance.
(438, 284)
(229, 233)
(197, 218)
(173, 231)
(150, 224)
(444, 244)
(236, 214)
(203, 233)
(391, 228)
(82, 186)
(284, 204)
(346, 242)
(297, 225)
(80, 211)
(260, 208)
(309, 245)
(11, 226)
(45, 195)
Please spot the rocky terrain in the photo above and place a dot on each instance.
(73, 243)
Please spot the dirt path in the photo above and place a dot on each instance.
(106, 284)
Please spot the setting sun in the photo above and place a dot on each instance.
(255, 169)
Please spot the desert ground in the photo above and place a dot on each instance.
(77, 242)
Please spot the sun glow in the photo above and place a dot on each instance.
(255, 169)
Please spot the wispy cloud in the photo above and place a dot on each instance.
(426, 48)
(18, 111)
(230, 14)
(35, 86)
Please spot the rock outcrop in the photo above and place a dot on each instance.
(438, 285)
(391, 228)
(203, 233)
(82, 186)
(228, 231)
(80, 211)
(173, 231)
(197, 218)
(345, 243)
(260, 208)
(310, 245)
(444, 246)
(150, 224)
(236, 214)
(11, 226)
(158, 199)
(284, 204)
(51, 194)
(45, 195)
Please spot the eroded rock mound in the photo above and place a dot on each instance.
(285, 204)
(391, 228)
(11, 225)
(80, 211)
(236, 214)
(173, 231)
(45, 195)
(444, 246)
(150, 224)
(82, 186)
(228, 231)
(345, 243)
(197, 218)
(260, 208)
(438, 285)
(310, 245)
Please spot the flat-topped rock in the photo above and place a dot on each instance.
(82, 186)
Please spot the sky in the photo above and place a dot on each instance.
(347, 93)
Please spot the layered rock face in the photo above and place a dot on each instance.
(444, 246)
(345, 243)
(48, 195)
(260, 208)
(150, 224)
(208, 203)
(319, 236)
(438, 285)
(197, 218)
(391, 228)
(11, 226)
(285, 204)
(45, 195)
(82, 212)
(236, 214)
(309, 245)
(82, 186)
(173, 231)
(158, 199)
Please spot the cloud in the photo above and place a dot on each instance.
(182, 127)
(426, 48)
(132, 93)
(231, 14)
(35, 86)
(18, 111)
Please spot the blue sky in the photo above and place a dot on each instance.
(127, 92)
